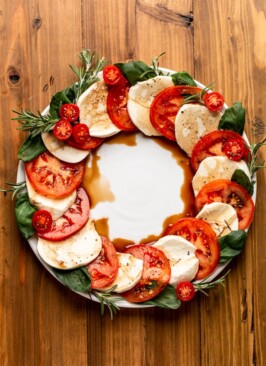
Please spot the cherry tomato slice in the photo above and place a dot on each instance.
(185, 291)
(42, 221)
(112, 75)
(214, 101)
(226, 191)
(70, 112)
(165, 106)
(62, 129)
(117, 106)
(89, 144)
(80, 133)
(155, 276)
(103, 270)
(199, 233)
(52, 177)
(213, 144)
(234, 149)
(72, 221)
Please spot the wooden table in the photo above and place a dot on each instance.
(42, 322)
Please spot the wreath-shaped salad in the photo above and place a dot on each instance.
(53, 208)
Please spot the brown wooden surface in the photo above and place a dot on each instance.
(43, 323)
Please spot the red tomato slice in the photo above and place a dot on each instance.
(165, 106)
(155, 276)
(214, 101)
(226, 191)
(72, 220)
(117, 106)
(212, 144)
(89, 144)
(103, 270)
(80, 133)
(199, 233)
(185, 291)
(70, 112)
(52, 177)
(42, 221)
(112, 75)
(62, 130)
(234, 149)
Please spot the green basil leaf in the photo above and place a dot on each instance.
(64, 96)
(31, 147)
(135, 71)
(233, 119)
(24, 212)
(166, 299)
(241, 178)
(183, 78)
(75, 279)
(231, 244)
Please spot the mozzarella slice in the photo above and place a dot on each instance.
(62, 151)
(56, 207)
(129, 273)
(220, 216)
(75, 251)
(181, 254)
(140, 98)
(93, 111)
(216, 167)
(192, 122)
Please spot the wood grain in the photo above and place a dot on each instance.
(42, 322)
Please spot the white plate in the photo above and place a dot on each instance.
(124, 212)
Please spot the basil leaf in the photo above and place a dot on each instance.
(135, 71)
(24, 212)
(183, 78)
(233, 119)
(166, 299)
(231, 244)
(31, 147)
(64, 96)
(75, 279)
(241, 178)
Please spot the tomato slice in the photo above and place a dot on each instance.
(72, 220)
(70, 112)
(89, 144)
(214, 101)
(62, 129)
(165, 106)
(112, 75)
(185, 291)
(117, 106)
(42, 221)
(80, 133)
(155, 276)
(226, 191)
(212, 144)
(103, 270)
(234, 149)
(199, 233)
(52, 177)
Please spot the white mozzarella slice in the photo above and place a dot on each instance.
(62, 151)
(216, 167)
(140, 98)
(129, 273)
(73, 252)
(56, 207)
(192, 122)
(93, 111)
(181, 255)
(220, 216)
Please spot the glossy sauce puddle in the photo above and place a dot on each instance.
(121, 162)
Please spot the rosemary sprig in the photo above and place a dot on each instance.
(106, 298)
(254, 163)
(154, 67)
(208, 285)
(35, 123)
(16, 188)
(198, 97)
(87, 73)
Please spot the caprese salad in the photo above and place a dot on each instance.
(53, 207)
